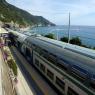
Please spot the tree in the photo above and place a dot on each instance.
(50, 35)
(76, 41)
(64, 39)
(94, 48)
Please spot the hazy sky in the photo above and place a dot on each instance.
(82, 11)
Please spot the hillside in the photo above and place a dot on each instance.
(10, 13)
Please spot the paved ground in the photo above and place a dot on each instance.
(7, 86)
(22, 86)
(40, 86)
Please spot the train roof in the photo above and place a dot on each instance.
(81, 50)
(20, 36)
(74, 48)
(71, 54)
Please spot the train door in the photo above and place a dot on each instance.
(19, 46)
(23, 48)
(29, 55)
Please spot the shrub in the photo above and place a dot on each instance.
(76, 41)
(13, 66)
(94, 48)
(50, 35)
(64, 39)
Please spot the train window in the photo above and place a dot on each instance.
(78, 76)
(79, 73)
(28, 53)
(38, 50)
(62, 65)
(94, 77)
(37, 62)
(26, 41)
(52, 58)
(50, 74)
(33, 46)
(92, 85)
(41, 51)
(29, 44)
(42, 67)
(44, 53)
(79, 69)
(60, 83)
(63, 61)
(71, 92)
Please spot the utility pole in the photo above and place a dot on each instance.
(69, 29)
(57, 35)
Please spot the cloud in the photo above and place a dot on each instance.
(57, 10)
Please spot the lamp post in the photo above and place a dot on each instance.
(57, 35)
(69, 30)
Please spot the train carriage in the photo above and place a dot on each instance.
(70, 68)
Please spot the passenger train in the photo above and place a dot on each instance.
(70, 68)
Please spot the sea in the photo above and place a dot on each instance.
(85, 33)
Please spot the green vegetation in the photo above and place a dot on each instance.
(10, 61)
(94, 48)
(13, 66)
(74, 40)
(50, 35)
(10, 13)
(87, 46)
(64, 39)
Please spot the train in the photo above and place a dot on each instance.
(70, 68)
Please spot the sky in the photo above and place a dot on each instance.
(82, 11)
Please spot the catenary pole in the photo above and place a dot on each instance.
(69, 29)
